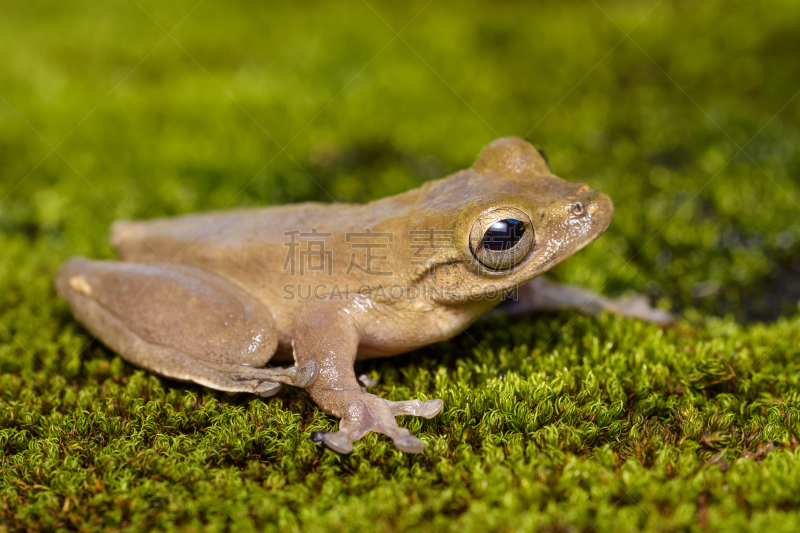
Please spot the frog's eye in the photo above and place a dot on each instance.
(503, 235)
(502, 238)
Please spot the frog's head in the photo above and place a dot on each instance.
(511, 220)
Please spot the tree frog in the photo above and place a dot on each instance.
(213, 298)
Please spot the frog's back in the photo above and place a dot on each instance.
(164, 239)
(245, 245)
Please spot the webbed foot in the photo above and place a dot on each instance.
(361, 413)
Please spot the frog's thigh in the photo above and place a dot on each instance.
(541, 294)
(177, 321)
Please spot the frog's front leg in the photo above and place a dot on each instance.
(541, 294)
(179, 322)
(328, 336)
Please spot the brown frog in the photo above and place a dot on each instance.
(213, 298)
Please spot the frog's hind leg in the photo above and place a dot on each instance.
(179, 322)
(541, 294)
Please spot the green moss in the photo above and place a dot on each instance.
(557, 423)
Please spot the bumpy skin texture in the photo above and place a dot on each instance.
(212, 298)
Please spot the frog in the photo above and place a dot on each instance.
(218, 298)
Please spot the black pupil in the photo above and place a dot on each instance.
(503, 234)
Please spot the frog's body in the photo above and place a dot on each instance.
(243, 246)
(212, 298)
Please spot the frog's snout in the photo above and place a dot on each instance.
(602, 209)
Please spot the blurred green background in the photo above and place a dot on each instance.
(685, 113)
(149, 125)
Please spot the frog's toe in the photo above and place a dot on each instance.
(425, 409)
(306, 374)
(362, 412)
(639, 307)
(267, 389)
(409, 444)
(339, 442)
(294, 376)
(366, 381)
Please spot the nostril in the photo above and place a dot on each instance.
(577, 208)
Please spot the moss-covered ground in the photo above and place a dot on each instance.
(137, 109)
